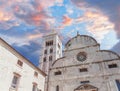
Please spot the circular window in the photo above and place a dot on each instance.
(81, 56)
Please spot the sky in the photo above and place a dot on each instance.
(24, 22)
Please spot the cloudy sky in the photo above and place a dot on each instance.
(24, 22)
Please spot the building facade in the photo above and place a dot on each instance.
(17, 73)
(83, 67)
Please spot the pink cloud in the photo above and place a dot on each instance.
(110, 9)
(67, 21)
(4, 16)
(48, 3)
(36, 18)
(34, 36)
(34, 13)
(97, 23)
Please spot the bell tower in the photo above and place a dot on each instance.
(51, 50)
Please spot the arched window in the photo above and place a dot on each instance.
(44, 59)
(49, 43)
(34, 88)
(51, 50)
(45, 51)
(50, 58)
(57, 88)
(15, 81)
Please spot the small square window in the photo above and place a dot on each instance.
(83, 70)
(35, 74)
(58, 73)
(112, 65)
(20, 63)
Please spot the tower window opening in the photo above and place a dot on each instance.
(45, 52)
(50, 58)
(44, 59)
(52, 42)
(51, 50)
(49, 43)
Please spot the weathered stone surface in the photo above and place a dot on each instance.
(97, 62)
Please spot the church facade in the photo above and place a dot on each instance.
(82, 67)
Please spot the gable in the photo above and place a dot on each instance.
(93, 55)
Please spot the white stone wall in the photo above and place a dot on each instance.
(58, 50)
(8, 65)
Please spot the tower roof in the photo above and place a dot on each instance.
(52, 32)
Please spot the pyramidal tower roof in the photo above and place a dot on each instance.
(51, 32)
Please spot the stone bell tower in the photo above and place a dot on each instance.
(51, 50)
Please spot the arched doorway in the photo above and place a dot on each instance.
(86, 87)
